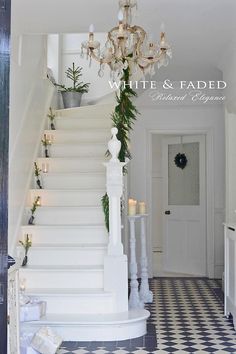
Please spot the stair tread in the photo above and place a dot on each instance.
(79, 143)
(76, 173)
(70, 245)
(64, 291)
(108, 318)
(94, 226)
(66, 131)
(63, 267)
(98, 158)
(85, 190)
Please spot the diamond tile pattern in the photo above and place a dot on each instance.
(186, 317)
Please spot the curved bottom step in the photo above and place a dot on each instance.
(107, 327)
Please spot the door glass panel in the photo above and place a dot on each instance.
(183, 184)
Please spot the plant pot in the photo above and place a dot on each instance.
(71, 99)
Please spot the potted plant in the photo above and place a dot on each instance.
(72, 95)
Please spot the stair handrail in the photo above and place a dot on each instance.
(13, 309)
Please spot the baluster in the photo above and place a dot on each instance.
(145, 294)
(134, 298)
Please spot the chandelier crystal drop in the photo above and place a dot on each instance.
(128, 46)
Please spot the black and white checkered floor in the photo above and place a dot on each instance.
(186, 317)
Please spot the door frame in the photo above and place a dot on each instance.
(5, 18)
(209, 134)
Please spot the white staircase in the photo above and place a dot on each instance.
(69, 240)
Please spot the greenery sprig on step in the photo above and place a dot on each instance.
(26, 244)
(51, 117)
(37, 173)
(36, 204)
(123, 119)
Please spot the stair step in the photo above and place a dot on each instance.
(75, 301)
(94, 327)
(69, 122)
(73, 164)
(92, 135)
(89, 111)
(66, 233)
(77, 150)
(42, 276)
(64, 254)
(73, 197)
(83, 180)
(67, 215)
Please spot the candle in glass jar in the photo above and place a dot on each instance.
(132, 204)
(29, 236)
(45, 167)
(142, 207)
(38, 202)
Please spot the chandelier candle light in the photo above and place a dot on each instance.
(127, 46)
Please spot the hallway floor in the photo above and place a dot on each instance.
(190, 320)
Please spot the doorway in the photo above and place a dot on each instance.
(180, 223)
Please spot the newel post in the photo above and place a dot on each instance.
(115, 263)
(114, 186)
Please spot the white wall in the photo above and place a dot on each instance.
(30, 97)
(70, 52)
(228, 66)
(183, 117)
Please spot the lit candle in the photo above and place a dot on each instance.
(142, 207)
(132, 204)
(50, 139)
(38, 201)
(45, 167)
(22, 285)
(29, 237)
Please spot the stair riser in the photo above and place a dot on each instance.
(67, 136)
(102, 332)
(67, 198)
(79, 164)
(78, 304)
(70, 150)
(77, 123)
(65, 278)
(67, 216)
(89, 181)
(71, 256)
(72, 235)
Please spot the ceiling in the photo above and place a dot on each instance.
(198, 30)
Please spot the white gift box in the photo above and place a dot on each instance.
(25, 348)
(46, 341)
(32, 311)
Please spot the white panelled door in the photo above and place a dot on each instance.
(184, 212)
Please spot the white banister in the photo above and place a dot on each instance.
(115, 263)
(135, 301)
(145, 294)
(13, 309)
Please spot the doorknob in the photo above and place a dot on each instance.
(167, 212)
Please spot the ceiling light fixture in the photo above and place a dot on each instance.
(127, 46)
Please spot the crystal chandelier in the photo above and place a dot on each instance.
(127, 46)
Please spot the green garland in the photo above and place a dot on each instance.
(123, 119)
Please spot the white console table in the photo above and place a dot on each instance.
(230, 271)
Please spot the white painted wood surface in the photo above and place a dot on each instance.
(73, 264)
(230, 271)
(135, 301)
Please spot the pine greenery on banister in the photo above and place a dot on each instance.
(123, 119)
